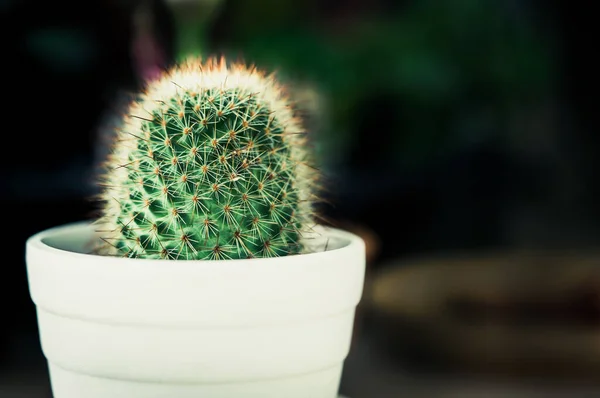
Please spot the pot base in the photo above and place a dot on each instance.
(68, 384)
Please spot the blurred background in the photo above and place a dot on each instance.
(458, 137)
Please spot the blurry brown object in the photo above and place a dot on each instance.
(520, 313)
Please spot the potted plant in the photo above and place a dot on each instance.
(205, 273)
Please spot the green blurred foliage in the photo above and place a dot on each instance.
(450, 68)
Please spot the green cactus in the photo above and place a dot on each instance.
(210, 163)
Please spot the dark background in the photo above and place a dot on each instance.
(441, 125)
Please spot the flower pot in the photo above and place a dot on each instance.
(123, 328)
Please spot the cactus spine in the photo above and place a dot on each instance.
(210, 163)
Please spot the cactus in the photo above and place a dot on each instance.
(210, 162)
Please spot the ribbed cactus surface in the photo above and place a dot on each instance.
(210, 163)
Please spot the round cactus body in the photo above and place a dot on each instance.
(210, 163)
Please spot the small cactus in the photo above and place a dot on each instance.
(210, 163)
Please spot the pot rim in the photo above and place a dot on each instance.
(228, 293)
(39, 242)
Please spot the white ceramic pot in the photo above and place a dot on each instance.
(130, 328)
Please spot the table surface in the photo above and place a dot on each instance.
(367, 374)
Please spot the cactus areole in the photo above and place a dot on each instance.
(209, 163)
